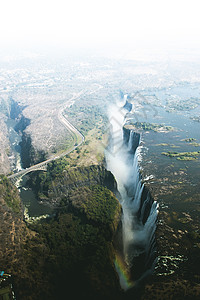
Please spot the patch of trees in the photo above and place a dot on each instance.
(72, 253)
(9, 194)
(86, 117)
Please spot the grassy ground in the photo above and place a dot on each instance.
(91, 152)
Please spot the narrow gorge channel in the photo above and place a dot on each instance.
(136, 254)
(23, 155)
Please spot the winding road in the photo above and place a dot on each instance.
(70, 127)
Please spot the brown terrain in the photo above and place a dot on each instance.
(13, 230)
(4, 148)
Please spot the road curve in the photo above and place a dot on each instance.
(70, 127)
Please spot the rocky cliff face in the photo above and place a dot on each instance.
(15, 110)
(74, 247)
(12, 117)
(55, 184)
(4, 148)
(22, 124)
(30, 155)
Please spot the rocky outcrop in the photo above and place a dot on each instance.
(56, 184)
(4, 148)
(11, 118)
(15, 109)
(22, 124)
(87, 176)
(131, 139)
(30, 155)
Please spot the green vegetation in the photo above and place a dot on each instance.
(99, 205)
(188, 140)
(56, 167)
(86, 117)
(183, 220)
(195, 118)
(195, 144)
(90, 119)
(182, 105)
(186, 158)
(182, 155)
(6, 292)
(194, 235)
(162, 144)
(61, 176)
(9, 194)
(165, 144)
(191, 141)
(75, 248)
(152, 126)
(42, 182)
(174, 146)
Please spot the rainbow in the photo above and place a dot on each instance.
(123, 273)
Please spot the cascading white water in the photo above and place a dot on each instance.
(138, 217)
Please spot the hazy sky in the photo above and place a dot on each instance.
(102, 22)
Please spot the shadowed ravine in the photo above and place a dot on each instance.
(137, 257)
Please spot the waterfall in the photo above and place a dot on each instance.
(139, 215)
